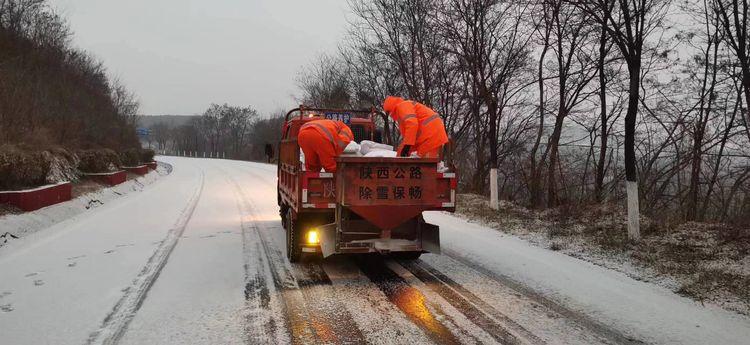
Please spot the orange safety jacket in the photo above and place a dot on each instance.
(336, 132)
(321, 141)
(420, 126)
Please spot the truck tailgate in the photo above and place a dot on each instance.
(390, 191)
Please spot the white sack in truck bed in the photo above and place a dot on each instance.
(369, 148)
(352, 149)
(381, 153)
(366, 146)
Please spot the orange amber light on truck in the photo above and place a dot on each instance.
(312, 237)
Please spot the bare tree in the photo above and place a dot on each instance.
(544, 27)
(161, 133)
(223, 130)
(404, 32)
(325, 83)
(574, 53)
(491, 44)
(734, 17)
(515, 83)
(629, 24)
(604, 115)
(709, 60)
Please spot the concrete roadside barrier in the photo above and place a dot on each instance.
(36, 198)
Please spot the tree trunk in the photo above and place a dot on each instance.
(535, 184)
(704, 114)
(493, 139)
(695, 170)
(717, 164)
(746, 85)
(478, 178)
(601, 163)
(553, 148)
(631, 175)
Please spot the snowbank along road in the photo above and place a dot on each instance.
(198, 258)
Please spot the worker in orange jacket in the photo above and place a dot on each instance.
(321, 141)
(421, 128)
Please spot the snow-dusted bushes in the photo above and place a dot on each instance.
(98, 161)
(24, 167)
(130, 157)
(63, 166)
(147, 155)
(135, 157)
(21, 167)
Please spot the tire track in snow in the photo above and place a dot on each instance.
(260, 321)
(338, 326)
(407, 298)
(326, 318)
(291, 302)
(499, 326)
(261, 293)
(116, 322)
(300, 321)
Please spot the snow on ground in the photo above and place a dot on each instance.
(24, 224)
(59, 284)
(641, 310)
(197, 298)
(706, 262)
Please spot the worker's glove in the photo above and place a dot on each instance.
(405, 151)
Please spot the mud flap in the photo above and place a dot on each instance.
(328, 239)
(430, 238)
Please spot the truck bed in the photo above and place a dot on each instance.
(375, 183)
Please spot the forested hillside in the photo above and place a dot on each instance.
(52, 94)
(57, 101)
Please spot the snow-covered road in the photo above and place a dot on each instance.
(198, 258)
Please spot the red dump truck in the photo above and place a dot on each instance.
(371, 204)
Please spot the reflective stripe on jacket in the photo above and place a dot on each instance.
(420, 126)
(336, 132)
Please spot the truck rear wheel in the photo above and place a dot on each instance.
(283, 209)
(293, 248)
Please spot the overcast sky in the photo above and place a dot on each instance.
(179, 56)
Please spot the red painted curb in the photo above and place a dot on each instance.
(140, 170)
(34, 199)
(111, 179)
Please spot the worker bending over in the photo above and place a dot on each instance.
(421, 128)
(321, 141)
